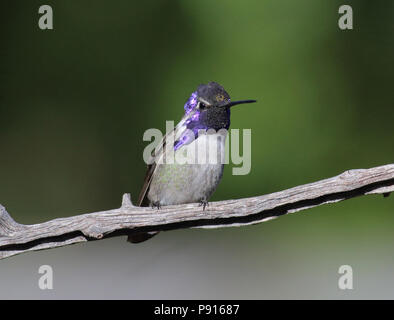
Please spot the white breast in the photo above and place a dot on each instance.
(195, 176)
(208, 148)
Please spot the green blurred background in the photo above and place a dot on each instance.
(75, 102)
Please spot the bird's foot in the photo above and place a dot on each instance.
(204, 202)
(156, 204)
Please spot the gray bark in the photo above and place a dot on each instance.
(17, 238)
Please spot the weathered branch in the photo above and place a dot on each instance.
(17, 238)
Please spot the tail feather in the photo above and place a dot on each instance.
(143, 201)
(141, 237)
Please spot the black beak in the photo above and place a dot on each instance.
(234, 103)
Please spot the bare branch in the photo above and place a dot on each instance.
(16, 238)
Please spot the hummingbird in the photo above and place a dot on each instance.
(202, 130)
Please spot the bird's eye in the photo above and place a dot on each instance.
(202, 106)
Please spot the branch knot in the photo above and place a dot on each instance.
(7, 225)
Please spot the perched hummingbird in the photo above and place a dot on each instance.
(207, 112)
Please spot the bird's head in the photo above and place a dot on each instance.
(209, 107)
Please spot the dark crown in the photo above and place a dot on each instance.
(213, 94)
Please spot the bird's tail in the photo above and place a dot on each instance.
(141, 237)
(143, 202)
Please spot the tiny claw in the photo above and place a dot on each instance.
(204, 203)
(156, 204)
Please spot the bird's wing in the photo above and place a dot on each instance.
(157, 157)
